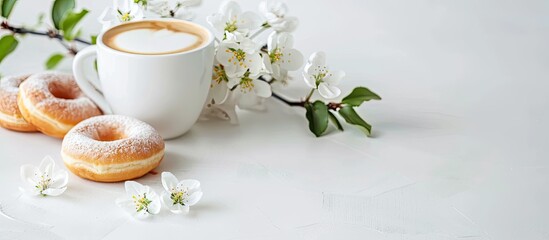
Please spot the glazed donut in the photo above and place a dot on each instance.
(10, 116)
(112, 148)
(53, 103)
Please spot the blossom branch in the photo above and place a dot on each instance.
(53, 34)
(331, 105)
(288, 102)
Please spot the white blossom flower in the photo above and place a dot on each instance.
(230, 19)
(248, 83)
(179, 9)
(180, 195)
(275, 12)
(238, 59)
(317, 75)
(282, 56)
(245, 42)
(242, 70)
(221, 102)
(140, 201)
(44, 180)
(121, 11)
(218, 88)
(127, 10)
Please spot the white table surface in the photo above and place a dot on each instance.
(460, 146)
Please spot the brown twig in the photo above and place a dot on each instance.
(51, 33)
(331, 105)
(290, 103)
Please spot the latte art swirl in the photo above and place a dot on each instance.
(154, 37)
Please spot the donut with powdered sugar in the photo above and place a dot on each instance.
(112, 148)
(10, 116)
(54, 103)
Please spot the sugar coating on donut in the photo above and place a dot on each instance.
(110, 139)
(58, 96)
(9, 87)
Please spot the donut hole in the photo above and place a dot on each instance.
(109, 133)
(62, 91)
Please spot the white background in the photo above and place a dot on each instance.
(459, 148)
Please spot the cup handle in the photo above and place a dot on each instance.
(90, 87)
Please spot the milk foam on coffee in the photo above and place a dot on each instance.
(149, 41)
(154, 37)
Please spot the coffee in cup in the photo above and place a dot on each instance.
(158, 71)
(155, 37)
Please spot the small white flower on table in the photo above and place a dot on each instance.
(275, 12)
(231, 19)
(140, 201)
(180, 195)
(318, 76)
(121, 11)
(44, 180)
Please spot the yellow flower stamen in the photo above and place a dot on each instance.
(125, 17)
(141, 202)
(246, 83)
(231, 26)
(44, 183)
(178, 197)
(276, 55)
(322, 73)
(219, 74)
(238, 57)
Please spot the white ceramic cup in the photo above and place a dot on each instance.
(167, 91)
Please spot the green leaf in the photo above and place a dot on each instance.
(69, 21)
(317, 114)
(8, 43)
(59, 9)
(54, 60)
(334, 121)
(93, 39)
(360, 95)
(351, 117)
(7, 6)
